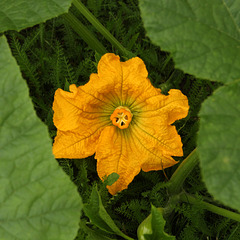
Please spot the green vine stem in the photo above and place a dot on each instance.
(94, 21)
(175, 188)
(210, 207)
(182, 172)
(85, 34)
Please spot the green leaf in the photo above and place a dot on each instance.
(20, 14)
(158, 224)
(219, 144)
(99, 216)
(111, 179)
(94, 234)
(152, 228)
(37, 199)
(202, 36)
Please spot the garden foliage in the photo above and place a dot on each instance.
(38, 196)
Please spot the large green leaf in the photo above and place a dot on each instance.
(37, 199)
(20, 14)
(202, 36)
(219, 144)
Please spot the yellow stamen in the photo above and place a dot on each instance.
(121, 117)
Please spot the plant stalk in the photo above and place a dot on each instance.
(94, 21)
(210, 207)
(85, 34)
(182, 173)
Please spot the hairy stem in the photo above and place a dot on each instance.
(210, 207)
(94, 21)
(182, 173)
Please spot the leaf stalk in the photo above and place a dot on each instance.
(210, 207)
(182, 173)
(85, 34)
(94, 21)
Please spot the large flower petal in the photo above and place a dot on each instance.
(110, 76)
(65, 111)
(163, 138)
(117, 152)
(151, 126)
(159, 163)
(68, 144)
(136, 87)
(157, 147)
(128, 78)
(79, 117)
(78, 110)
(174, 106)
(153, 111)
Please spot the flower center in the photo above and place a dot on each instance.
(121, 117)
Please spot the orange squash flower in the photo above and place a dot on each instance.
(122, 118)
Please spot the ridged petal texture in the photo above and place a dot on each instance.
(82, 117)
